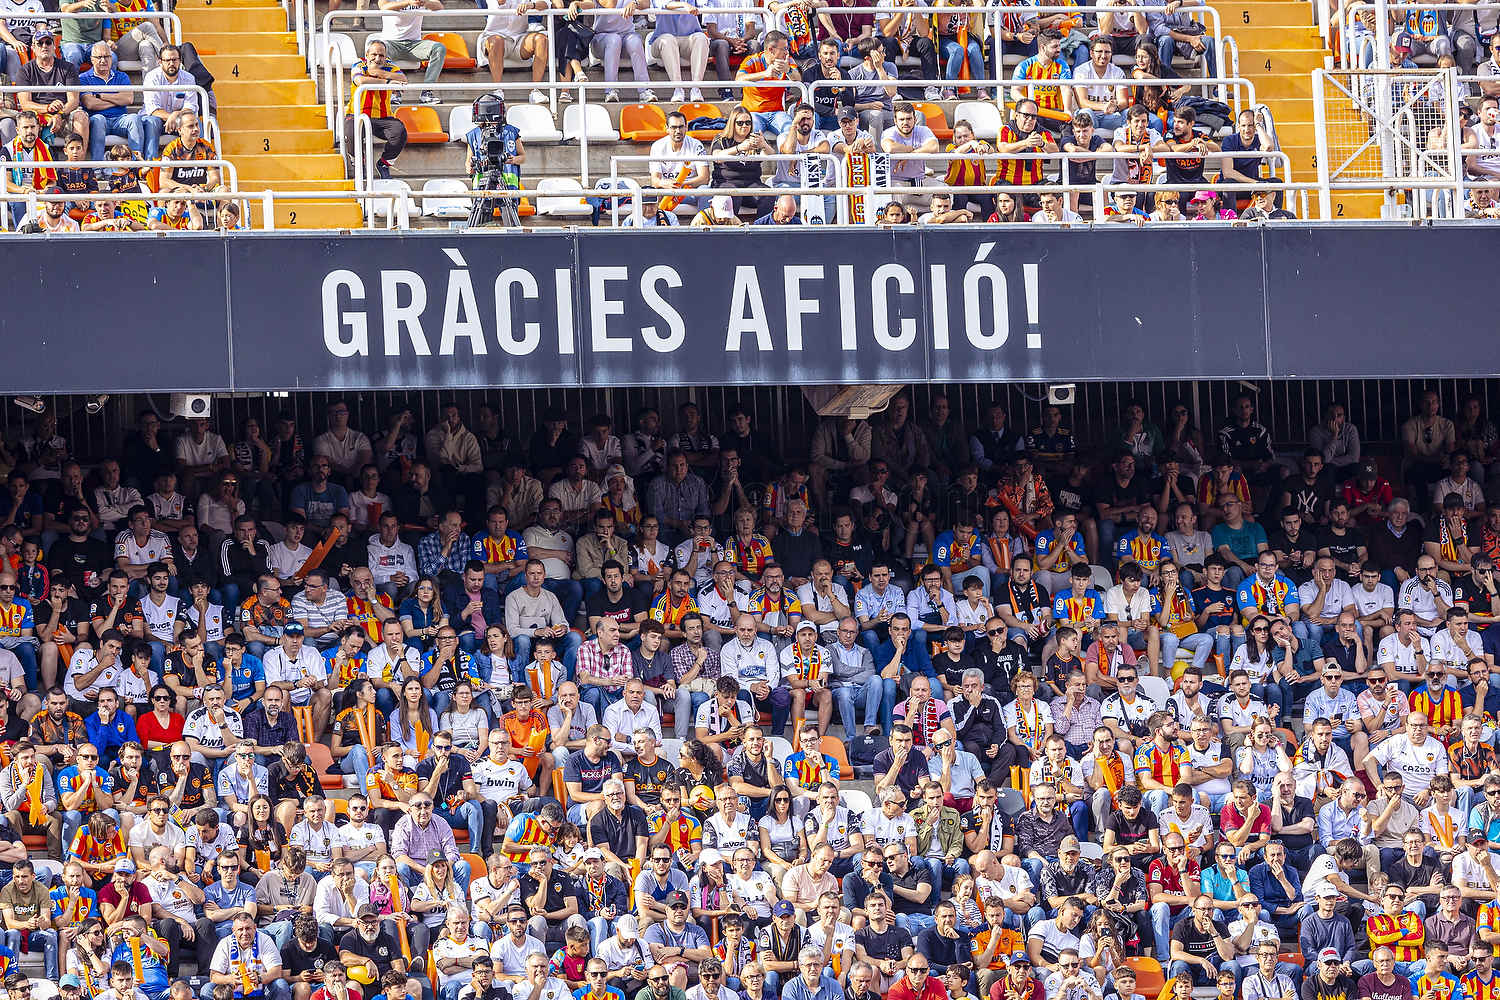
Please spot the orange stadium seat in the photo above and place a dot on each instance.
(642, 122)
(422, 125)
(321, 759)
(477, 867)
(1149, 978)
(458, 50)
(702, 109)
(934, 118)
(835, 749)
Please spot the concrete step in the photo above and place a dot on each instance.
(312, 215)
(295, 184)
(233, 20)
(238, 65)
(264, 42)
(295, 166)
(194, 6)
(232, 93)
(1254, 38)
(250, 117)
(277, 142)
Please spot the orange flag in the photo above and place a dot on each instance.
(36, 812)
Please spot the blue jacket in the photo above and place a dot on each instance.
(1269, 891)
(108, 738)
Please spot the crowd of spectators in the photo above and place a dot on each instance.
(931, 711)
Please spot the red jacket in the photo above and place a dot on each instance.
(1004, 989)
(931, 990)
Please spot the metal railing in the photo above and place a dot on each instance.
(315, 45)
(364, 136)
(1219, 82)
(174, 36)
(210, 124)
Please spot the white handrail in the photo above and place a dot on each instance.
(1127, 82)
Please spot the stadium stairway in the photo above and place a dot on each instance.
(1279, 49)
(274, 128)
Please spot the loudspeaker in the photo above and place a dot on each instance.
(1061, 395)
(190, 404)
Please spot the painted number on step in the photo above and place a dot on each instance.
(265, 144)
(292, 217)
(1245, 16)
(235, 71)
(1315, 161)
(1268, 65)
(1340, 212)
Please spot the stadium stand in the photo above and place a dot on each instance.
(963, 699)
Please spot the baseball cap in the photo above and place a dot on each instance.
(1476, 835)
(293, 627)
(435, 855)
(807, 625)
(722, 207)
(626, 928)
(366, 910)
(42, 34)
(1401, 40)
(69, 980)
(782, 909)
(710, 856)
(850, 115)
(1069, 845)
(1329, 955)
(1326, 891)
(1203, 196)
(594, 854)
(126, 866)
(1019, 958)
(676, 898)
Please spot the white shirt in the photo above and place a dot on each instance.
(198, 727)
(668, 162)
(1446, 650)
(142, 836)
(265, 955)
(283, 562)
(156, 548)
(1393, 651)
(1416, 764)
(214, 630)
(379, 663)
(750, 664)
(126, 682)
(356, 838)
(1198, 819)
(510, 957)
(1208, 758)
(318, 844)
(308, 664)
(211, 448)
(501, 783)
(622, 724)
(1323, 866)
(1469, 873)
(1417, 598)
(161, 619)
(329, 905)
(755, 891)
(1367, 602)
(721, 610)
(385, 562)
(1339, 596)
(810, 599)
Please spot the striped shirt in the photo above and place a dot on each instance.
(375, 103)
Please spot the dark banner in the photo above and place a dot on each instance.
(271, 311)
(94, 314)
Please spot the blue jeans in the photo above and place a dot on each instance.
(1156, 800)
(46, 939)
(915, 923)
(875, 693)
(1162, 922)
(142, 131)
(478, 817)
(601, 697)
(1166, 47)
(1200, 643)
(357, 763)
(774, 122)
(952, 55)
(1200, 977)
(685, 711)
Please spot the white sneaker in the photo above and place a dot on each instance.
(611, 96)
(696, 94)
(932, 94)
(648, 97)
(678, 96)
(429, 97)
(537, 97)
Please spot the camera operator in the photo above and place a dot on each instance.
(494, 155)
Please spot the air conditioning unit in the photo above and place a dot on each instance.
(190, 404)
